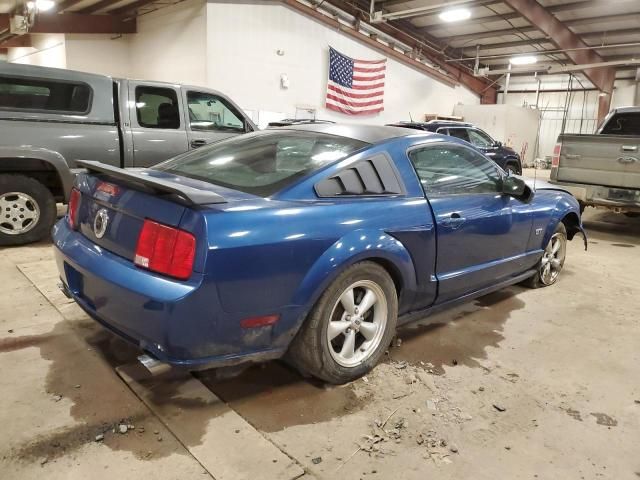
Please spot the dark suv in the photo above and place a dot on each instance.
(506, 157)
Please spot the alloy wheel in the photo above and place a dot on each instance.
(19, 213)
(553, 259)
(357, 323)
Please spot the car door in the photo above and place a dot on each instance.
(482, 234)
(156, 126)
(211, 117)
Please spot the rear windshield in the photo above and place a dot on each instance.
(44, 95)
(261, 163)
(623, 124)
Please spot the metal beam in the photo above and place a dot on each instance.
(78, 23)
(131, 7)
(564, 38)
(335, 24)
(65, 4)
(96, 7)
(404, 33)
(4, 51)
(17, 41)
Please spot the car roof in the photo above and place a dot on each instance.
(365, 133)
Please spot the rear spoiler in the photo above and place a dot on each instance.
(188, 195)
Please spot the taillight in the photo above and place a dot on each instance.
(555, 159)
(74, 205)
(165, 250)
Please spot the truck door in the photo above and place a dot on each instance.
(482, 234)
(157, 127)
(211, 117)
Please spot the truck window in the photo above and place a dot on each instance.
(479, 139)
(211, 113)
(623, 124)
(157, 107)
(18, 93)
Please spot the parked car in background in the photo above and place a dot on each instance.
(314, 241)
(603, 170)
(504, 156)
(51, 118)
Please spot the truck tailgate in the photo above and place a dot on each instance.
(607, 160)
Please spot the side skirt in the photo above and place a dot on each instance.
(421, 314)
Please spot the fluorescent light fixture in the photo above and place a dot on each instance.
(41, 5)
(523, 60)
(455, 15)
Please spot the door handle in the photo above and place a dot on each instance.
(454, 221)
(198, 143)
(627, 159)
(629, 148)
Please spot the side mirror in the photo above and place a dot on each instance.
(517, 188)
(497, 144)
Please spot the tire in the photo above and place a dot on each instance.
(314, 354)
(632, 214)
(542, 279)
(27, 210)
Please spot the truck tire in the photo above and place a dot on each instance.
(550, 265)
(350, 327)
(27, 210)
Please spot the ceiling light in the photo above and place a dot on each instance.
(455, 15)
(523, 60)
(41, 5)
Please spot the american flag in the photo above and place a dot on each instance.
(355, 87)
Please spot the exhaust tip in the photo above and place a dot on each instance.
(153, 365)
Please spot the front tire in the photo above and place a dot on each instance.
(350, 327)
(550, 265)
(27, 210)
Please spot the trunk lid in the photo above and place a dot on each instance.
(113, 210)
(607, 160)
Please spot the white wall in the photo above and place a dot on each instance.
(171, 45)
(102, 54)
(242, 40)
(47, 51)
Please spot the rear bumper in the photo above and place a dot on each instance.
(179, 323)
(620, 199)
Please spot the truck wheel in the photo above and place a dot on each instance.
(632, 214)
(550, 265)
(27, 210)
(350, 327)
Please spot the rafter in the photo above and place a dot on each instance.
(96, 7)
(16, 41)
(78, 23)
(131, 7)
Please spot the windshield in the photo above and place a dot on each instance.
(261, 163)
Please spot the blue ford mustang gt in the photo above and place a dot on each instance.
(314, 241)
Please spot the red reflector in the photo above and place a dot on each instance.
(264, 321)
(165, 250)
(108, 188)
(74, 205)
(555, 159)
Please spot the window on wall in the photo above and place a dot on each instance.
(212, 113)
(157, 107)
(44, 95)
(455, 170)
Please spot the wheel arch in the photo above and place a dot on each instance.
(353, 248)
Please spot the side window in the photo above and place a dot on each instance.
(44, 95)
(454, 170)
(460, 133)
(480, 139)
(157, 107)
(211, 113)
(623, 124)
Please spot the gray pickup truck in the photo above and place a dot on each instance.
(603, 170)
(50, 118)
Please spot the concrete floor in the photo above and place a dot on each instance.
(518, 384)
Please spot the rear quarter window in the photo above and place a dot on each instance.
(44, 95)
(623, 124)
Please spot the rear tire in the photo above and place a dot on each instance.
(345, 335)
(550, 265)
(27, 210)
